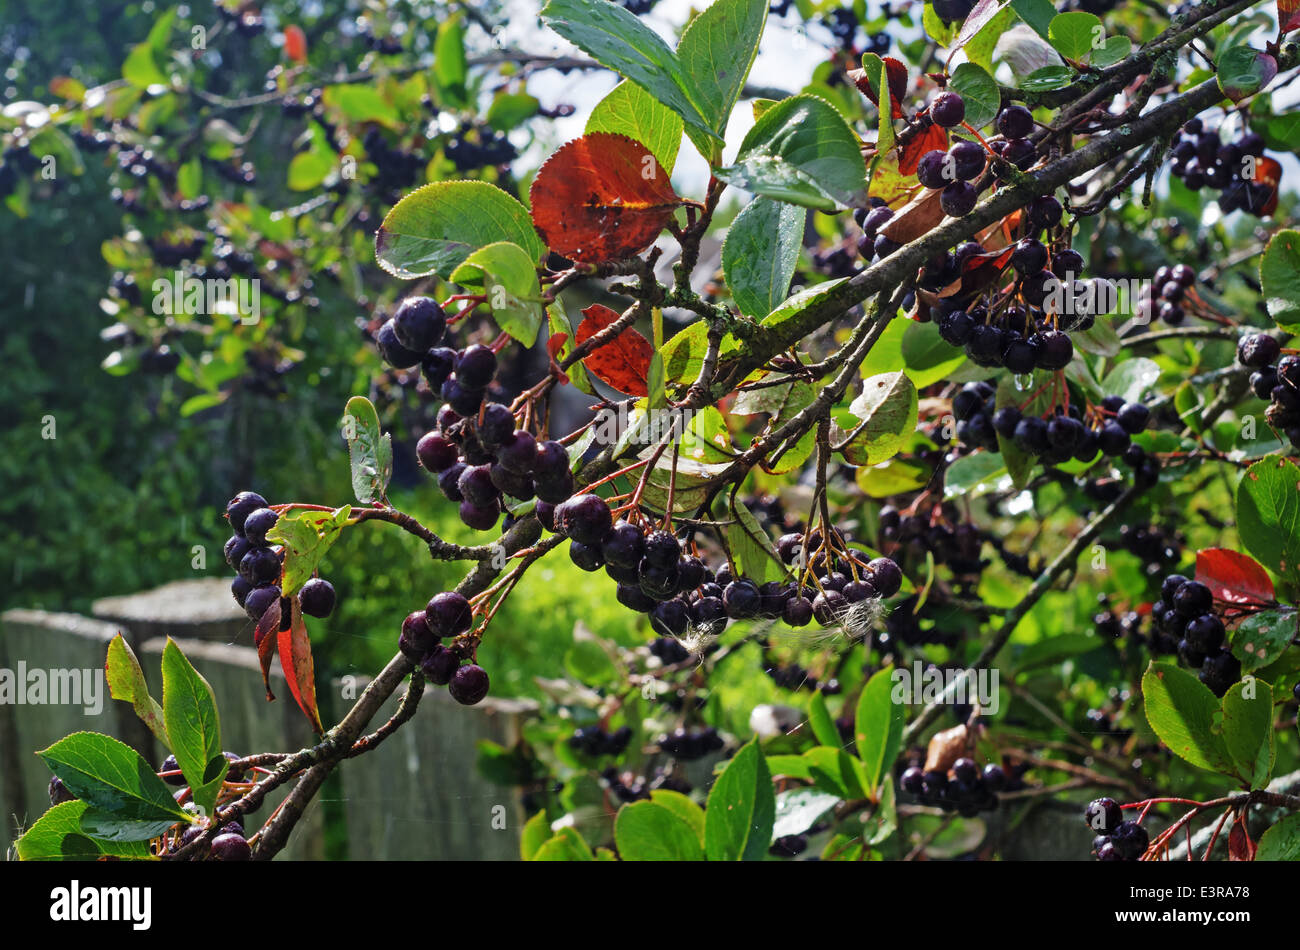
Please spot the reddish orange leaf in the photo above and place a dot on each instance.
(979, 270)
(602, 197)
(929, 139)
(1288, 15)
(296, 661)
(295, 43)
(265, 639)
(1233, 577)
(1269, 171)
(896, 72)
(624, 362)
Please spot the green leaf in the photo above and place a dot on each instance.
(307, 536)
(504, 272)
(791, 766)
(1243, 71)
(106, 826)
(798, 809)
(878, 728)
(749, 543)
(588, 663)
(716, 52)
(683, 353)
(939, 31)
(760, 253)
(567, 845)
(618, 40)
(797, 303)
(630, 110)
(1279, 276)
(450, 66)
(980, 92)
(434, 228)
(370, 451)
(126, 683)
(1038, 14)
(1182, 711)
(189, 178)
(1053, 649)
(59, 836)
(685, 809)
(823, 726)
(1262, 638)
(1114, 50)
(511, 109)
(741, 809)
(645, 831)
(193, 725)
(926, 356)
(887, 409)
(140, 68)
(1131, 378)
(1048, 78)
(1281, 842)
(877, 75)
(110, 775)
(307, 170)
(537, 831)
(1268, 514)
(976, 474)
(1248, 730)
(1075, 35)
(801, 151)
(363, 103)
(833, 770)
(891, 478)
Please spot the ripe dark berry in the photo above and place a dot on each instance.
(1130, 840)
(1015, 122)
(1112, 439)
(797, 612)
(260, 567)
(416, 638)
(661, 549)
(59, 792)
(554, 489)
(956, 327)
(885, 576)
(742, 599)
(240, 588)
(418, 323)
(317, 597)
(968, 160)
(876, 219)
(1067, 263)
(1029, 257)
(439, 665)
(584, 518)
(475, 366)
(933, 170)
(436, 452)
(171, 765)
(1133, 417)
(449, 481)
(258, 523)
(585, 557)
(436, 366)
(1045, 212)
(1204, 633)
(1019, 152)
(958, 199)
(464, 400)
(964, 770)
(551, 461)
(496, 425)
(912, 780)
(392, 351)
(1169, 586)
(480, 517)
(671, 617)
(259, 600)
(231, 847)
(828, 605)
(241, 506)
(469, 685)
(235, 549)
(691, 573)
(1192, 599)
(1103, 815)
(1020, 355)
(1258, 350)
(448, 614)
(948, 110)
(708, 612)
(519, 452)
(625, 545)
(475, 484)
(1031, 435)
(632, 597)
(994, 777)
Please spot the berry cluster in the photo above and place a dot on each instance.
(953, 11)
(940, 533)
(397, 169)
(259, 562)
(1185, 611)
(792, 676)
(965, 788)
(685, 745)
(628, 788)
(669, 651)
(1117, 840)
(1171, 286)
(446, 615)
(1201, 159)
(1275, 378)
(483, 148)
(595, 741)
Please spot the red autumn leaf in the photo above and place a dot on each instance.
(931, 138)
(1240, 847)
(623, 362)
(265, 638)
(979, 270)
(296, 661)
(1288, 15)
(1233, 577)
(602, 197)
(1269, 172)
(896, 74)
(295, 43)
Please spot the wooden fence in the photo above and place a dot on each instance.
(419, 796)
